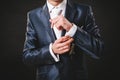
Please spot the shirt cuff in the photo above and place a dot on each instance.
(56, 57)
(72, 31)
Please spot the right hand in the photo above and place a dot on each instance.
(62, 45)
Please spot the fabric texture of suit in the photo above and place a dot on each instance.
(39, 35)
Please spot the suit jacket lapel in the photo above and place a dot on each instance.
(45, 18)
(70, 11)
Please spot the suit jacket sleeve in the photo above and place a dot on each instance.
(32, 52)
(88, 38)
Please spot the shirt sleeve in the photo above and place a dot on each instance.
(56, 57)
(72, 31)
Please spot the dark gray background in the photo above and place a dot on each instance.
(12, 35)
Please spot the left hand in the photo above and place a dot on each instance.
(62, 45)
(60, 22)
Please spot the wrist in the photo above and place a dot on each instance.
(70, 26)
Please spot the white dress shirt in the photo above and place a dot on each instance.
(54, 12)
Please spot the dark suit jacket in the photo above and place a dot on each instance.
(39, 35)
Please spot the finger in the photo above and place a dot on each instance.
(64, 47)
(62, 39)
(69, 41)
(58, 25)
(64, 51)
(62, 23)
(66, 42)
(54, 20)
(58, 22)
(65, 38)
(52, 25)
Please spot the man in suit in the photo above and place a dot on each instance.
(58, 36)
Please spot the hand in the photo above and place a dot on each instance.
(60, 22)
(62, 45)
